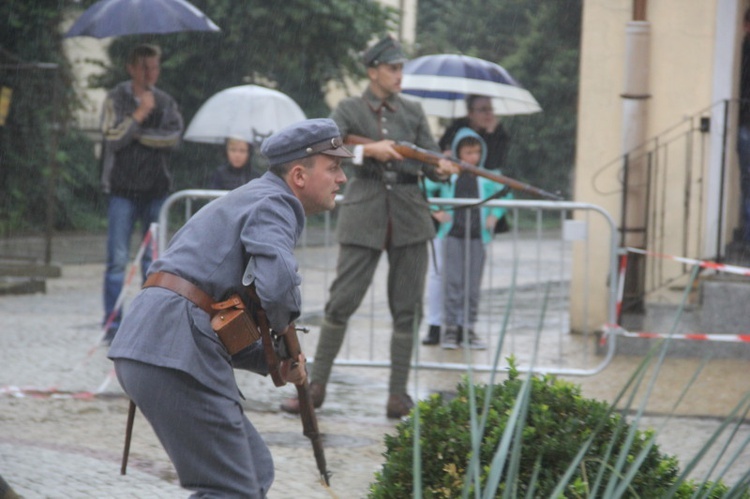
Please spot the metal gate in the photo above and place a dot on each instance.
(524, 306)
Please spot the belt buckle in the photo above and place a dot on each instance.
(390, 177)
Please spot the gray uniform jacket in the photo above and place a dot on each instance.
(247, 236)
(373, 206)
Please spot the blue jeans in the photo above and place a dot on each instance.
(122, 215)
(743, 150)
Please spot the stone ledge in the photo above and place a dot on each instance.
(29, 270)
(679, 348)
(21, 286)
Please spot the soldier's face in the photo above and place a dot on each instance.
(321, 183)
(386, 78)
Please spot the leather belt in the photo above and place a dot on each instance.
(182, 287)
(389, 177)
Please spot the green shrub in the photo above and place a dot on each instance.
(557, 423)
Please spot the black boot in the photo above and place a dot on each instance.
(433, 336)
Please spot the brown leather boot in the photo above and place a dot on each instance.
(317, 394)
(399, 405)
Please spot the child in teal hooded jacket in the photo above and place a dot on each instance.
(448, 282)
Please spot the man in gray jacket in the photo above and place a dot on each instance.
(141, 126)
(384, 209)
(167, 357)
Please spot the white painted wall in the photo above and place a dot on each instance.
(693, 64)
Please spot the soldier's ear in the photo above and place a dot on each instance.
(297, 175)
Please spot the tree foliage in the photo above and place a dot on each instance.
(35, 138)
(297, 46)
(538, 43)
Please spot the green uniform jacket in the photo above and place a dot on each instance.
(372, 204)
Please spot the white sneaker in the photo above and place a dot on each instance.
(475, 343)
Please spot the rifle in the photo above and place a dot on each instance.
(411, 151)
(281, 346)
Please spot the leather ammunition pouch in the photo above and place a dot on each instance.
(230, 320)
(233, 325)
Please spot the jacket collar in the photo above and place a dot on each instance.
(376, 104)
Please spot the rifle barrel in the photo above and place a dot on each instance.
(306, 408)
(410, 150)
(431, 157)
(310, 430)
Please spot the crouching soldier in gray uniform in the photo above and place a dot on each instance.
(167, 357)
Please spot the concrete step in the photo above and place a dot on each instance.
(25, 276)
(722, 308)
(725, 304)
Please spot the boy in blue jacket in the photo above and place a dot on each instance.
(462, 235)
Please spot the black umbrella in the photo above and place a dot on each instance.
(108, 18)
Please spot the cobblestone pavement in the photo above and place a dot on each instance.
(58, 439)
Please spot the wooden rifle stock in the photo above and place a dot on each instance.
(288, 347)
(411, 151)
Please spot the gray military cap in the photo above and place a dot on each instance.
(386, 51)
(306, 138)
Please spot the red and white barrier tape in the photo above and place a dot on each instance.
(621, 286)
(617, 329)
(721, 267)
(620, 331)
(19, 392)
(53, 391)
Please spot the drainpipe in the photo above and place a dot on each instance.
(408, 22)
(636, 176)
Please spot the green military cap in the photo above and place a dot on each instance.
(386, 51)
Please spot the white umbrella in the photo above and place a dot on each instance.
(441, 83)
(247, 112)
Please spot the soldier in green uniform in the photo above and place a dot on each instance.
(384, 209)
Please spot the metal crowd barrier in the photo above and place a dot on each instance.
(525, 291)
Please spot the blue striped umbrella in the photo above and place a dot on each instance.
(441, 83)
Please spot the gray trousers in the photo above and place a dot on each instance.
(407, 267)
(462, 271)
(215, 449)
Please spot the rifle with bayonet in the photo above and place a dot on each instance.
(411, 151)
(279, 346)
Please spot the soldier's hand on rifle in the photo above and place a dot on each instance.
(294, 370)
(382, 150)
(446, 168)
